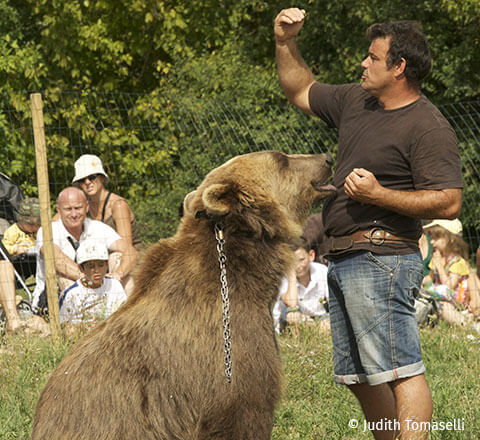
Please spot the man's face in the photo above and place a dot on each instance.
(376, 76)
(73, 209)
(304, 259)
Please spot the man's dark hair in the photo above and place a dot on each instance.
(406, 41)
(302, 243)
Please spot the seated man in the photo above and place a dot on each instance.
(68, 232)
(304, 292)
(19, 242)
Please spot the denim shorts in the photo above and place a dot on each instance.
(373, 324)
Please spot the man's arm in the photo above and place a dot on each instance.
(129, 258)
(64, 265)
(362, 186)
(290, 297)
(294, 75)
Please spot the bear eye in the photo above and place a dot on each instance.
(282, 161)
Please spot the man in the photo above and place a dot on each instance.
(397, 162)
(303, 292)
(68, 232)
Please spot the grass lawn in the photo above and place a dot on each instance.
(313, 407)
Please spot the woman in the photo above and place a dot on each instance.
(106, 206)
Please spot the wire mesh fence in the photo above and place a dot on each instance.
(156, 149)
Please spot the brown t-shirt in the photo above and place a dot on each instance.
(407, 149)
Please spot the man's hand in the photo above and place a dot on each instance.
(116, 275)
(288, 24)
(362, 186)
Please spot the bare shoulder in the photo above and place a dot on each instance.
(118, 204)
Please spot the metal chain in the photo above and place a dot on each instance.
(222, 258)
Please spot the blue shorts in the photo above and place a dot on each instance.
(372, 316)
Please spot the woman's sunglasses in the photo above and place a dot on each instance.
(92, 177)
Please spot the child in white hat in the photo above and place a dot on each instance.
(93, 297)
(451, 276)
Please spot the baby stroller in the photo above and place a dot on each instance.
(11, 196)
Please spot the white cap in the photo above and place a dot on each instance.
(91, 250)
(453, 226)
(87, 165)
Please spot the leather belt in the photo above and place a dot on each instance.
(376, 236)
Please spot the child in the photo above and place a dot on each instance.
(303, 292)
(20, 237)
(450, 271)
(93, 297)
(19, 241)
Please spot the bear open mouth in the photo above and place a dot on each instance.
(328, 189)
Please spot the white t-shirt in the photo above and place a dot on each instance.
(92, 229)
(308, 297)
(83, 304)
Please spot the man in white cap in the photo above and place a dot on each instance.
(69, 231)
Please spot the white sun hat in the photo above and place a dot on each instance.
(453, 226)
(87, 165)
(91, 250)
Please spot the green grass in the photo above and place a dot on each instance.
(313, 407)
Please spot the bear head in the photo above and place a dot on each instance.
(266, 194)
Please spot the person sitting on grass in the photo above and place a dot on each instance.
(19, 241)
(69, 231)
(107, 207)
(450, 277)
(303, 292)
(93, 297)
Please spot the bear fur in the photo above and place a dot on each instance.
(155, 369)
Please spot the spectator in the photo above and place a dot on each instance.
(448, 280)
(106, 206)
(19, 242)
(314, 233)
(304, 292)
(92, 297)
(69, 231)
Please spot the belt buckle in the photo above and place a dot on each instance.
(378, 241)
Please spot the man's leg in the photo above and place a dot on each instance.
(414, 404)
(8, 296)
(378, 403)
(403, 401)
(379, 305)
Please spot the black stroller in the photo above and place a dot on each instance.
(11, 196)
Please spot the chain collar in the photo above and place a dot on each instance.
(222, 258)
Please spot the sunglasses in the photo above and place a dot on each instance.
(92, 177)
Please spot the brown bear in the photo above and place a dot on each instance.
(192, 354)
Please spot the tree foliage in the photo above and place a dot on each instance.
(169, 61)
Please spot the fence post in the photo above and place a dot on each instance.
(45, 214)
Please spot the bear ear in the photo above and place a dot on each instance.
(187, 204)
(214, 199)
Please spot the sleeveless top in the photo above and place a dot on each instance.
(110, 221)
